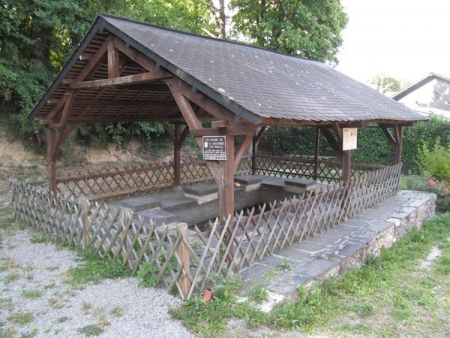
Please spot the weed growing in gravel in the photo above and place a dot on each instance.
(257, 293)
(86, 307)
(146, 272)
(63, 319)
(116, 311)
(6, 304)
(10, 277)
(34, 293)
(91, 330)
(40, 238)
(8, 333)
(95, 269)
(21, 318)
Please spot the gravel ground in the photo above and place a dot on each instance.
(35, 301)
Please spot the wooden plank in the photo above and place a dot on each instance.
(123, 80)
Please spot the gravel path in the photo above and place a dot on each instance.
(35, 301)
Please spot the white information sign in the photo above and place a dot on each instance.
(349, 138)
(214, 148)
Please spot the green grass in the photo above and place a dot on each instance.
(31, 294)
(384, 298)
(95, 269)
(21, 318)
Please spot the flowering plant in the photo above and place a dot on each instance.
(441, 188)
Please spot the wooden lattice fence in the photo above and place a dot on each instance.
(185, 260)
(328, 170)
(109, 183)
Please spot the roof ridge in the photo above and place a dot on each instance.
(239, 43)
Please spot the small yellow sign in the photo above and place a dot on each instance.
(349, 138)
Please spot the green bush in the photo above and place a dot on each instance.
(424, 133)
(436, 162)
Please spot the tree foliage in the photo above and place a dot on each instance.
(386, 84)
(306, 28)
(38, 36)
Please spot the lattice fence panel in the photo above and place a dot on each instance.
(298, 166)
(185, 262)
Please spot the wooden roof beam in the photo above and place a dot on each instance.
(139, 103)
(123, 80)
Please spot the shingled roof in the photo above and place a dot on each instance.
(251, 82)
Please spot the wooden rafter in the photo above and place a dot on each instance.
(134, 55)
(200, 100)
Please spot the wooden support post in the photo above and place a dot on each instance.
(183, 252)
(226, 183)
(399, 143)
(316, 153)
(177, 157)
(51, 159)
(346, 165)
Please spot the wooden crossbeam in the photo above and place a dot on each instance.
(123, 80)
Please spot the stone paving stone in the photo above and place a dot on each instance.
(138, 204)
(323, 239)
(159, 217)
(312, 247)
(202, 189)
(350, 248)
(255, 272)
(316, 267)
(339, 231)
(294, 253)
(379, 225)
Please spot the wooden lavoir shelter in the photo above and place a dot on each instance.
(127, 71)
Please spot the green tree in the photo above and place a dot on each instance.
(386, 84)
(306, 28)
(39, 35)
